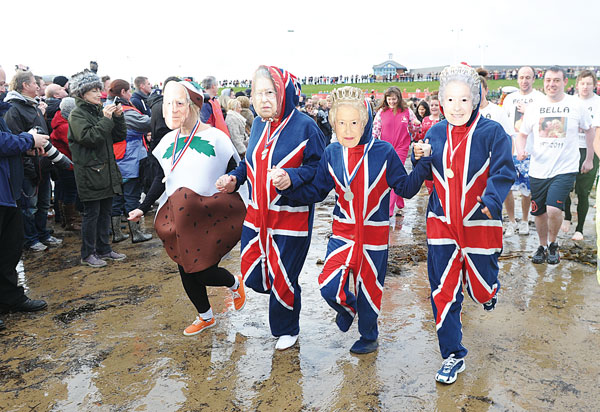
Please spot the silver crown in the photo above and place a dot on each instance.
(461, 70)
(347, 93)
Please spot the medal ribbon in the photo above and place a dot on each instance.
(468, 135)
(351, 178)
(277, 132)
(177, 155)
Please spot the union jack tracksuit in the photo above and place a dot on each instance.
(276, 233)
(360, 226)
(463, 244)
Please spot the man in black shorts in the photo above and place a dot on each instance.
(555, 121)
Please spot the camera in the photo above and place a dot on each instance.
(118, 100)
(52, 152)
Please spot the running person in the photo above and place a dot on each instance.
(515, 104)
(585, 85)
(554, 122)
(472, 172)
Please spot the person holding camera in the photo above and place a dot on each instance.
(92, 131)
(129, 153)
(24, 116)
(12, 296)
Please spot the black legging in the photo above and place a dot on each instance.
(583, 186)
(195, 284)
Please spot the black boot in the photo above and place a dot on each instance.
(137, 235)
(118, 235)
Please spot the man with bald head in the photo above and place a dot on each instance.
(54, 94)
(515, 105)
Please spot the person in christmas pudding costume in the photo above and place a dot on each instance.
(197, 224)
(472, 171)
(277, 231)
(361, 169)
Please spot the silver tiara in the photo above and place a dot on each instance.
(347, 93)
(451, 72)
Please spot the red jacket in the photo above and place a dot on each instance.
(58, 137)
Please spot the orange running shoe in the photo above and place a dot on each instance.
(239, 295)
(198, 326)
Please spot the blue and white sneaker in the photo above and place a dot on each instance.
(450, 369)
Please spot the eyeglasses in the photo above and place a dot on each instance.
(269, 94)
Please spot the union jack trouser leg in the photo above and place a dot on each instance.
(275, 271)
(368, 269)
(448, 269)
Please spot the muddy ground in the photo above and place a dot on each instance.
(111, 339)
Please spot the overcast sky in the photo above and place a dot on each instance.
(229, 39)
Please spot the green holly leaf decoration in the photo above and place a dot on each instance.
(198, 144)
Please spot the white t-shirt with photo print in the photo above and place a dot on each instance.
(511, 106)
(555, 129)
(593, 106)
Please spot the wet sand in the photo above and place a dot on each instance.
(111, 339)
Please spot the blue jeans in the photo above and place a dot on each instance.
(132, 190)
(95, 227)
(34, 203)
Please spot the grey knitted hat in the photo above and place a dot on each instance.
(66, 106)
(83, 82)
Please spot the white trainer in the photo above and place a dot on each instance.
(510, 229)
(286, 341)
(524, 227)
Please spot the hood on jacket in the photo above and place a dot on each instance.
(14, 96)
(288, 91)
(368, 132)
(57, 120)
(154, 98)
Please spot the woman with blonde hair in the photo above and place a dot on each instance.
(237, 126)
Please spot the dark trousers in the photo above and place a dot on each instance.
(95, 227)
(11, 241)
(132, 190)
(583, 186)
(65, 188)
(195, 284)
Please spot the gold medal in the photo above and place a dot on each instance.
(349, 196)
(449, 173)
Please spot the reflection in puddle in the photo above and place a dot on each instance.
(81, 390)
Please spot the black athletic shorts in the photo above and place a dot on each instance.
(550, 192)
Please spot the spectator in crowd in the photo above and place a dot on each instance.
(585, 84)
(129, 153)
(224, 100)
(139, 98)
(41, 93)
(65, 188)
(211, 113)
(323, 120)
(246, 112)
(92, 132)
(422, 110)
(54, 94)
(62, 81)
(236, 123)
(24, 115)
(105, 86)
(554, 161)
(391, 124)
(12, 147)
